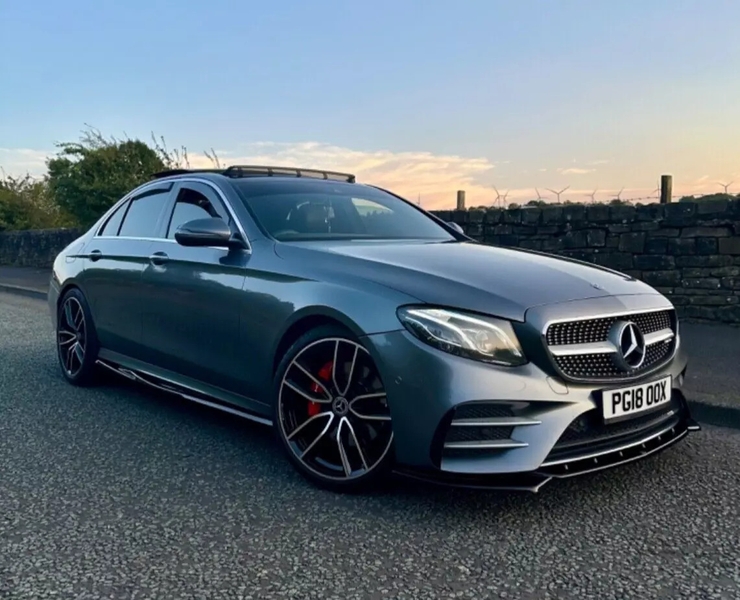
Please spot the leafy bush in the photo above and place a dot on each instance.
(26, 203)
(88, 177)
(84, 179)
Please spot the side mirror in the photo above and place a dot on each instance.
(207, 232)
(456, 227)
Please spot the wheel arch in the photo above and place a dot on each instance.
(305, 320)
(63, 289)
(66, 287)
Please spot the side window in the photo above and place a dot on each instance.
(113, 224)
(143, 214)
(194, 202)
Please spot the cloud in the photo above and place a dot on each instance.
(434, 177)
(19, 161)
(599, 162)
(575, 171)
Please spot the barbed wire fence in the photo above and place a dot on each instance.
(663, 193)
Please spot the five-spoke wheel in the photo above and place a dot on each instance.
(77, 343)
(332, 412)
(71, 336)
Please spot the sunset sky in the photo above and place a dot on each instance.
(425, 97)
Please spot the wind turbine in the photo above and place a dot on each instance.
(558, 193)
(500, 199)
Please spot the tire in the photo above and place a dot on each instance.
(343, 441)
(77, 342)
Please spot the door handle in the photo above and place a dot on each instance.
(159, 258)
(95, 255)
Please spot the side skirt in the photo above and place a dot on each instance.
(160, 382)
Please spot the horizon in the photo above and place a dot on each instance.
(419, 98)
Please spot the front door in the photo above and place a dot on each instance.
(193, 297)
(114, 264)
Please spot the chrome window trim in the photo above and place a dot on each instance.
(145, 187)
(132, 237)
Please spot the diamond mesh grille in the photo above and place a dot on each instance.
(596, 330)
(595, 367)
(602, 366)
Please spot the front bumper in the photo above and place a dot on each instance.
(553, 428)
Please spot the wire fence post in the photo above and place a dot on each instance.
(666, 188)
(460, 199)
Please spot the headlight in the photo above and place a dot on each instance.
(481, 338)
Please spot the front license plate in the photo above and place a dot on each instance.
(636, 399)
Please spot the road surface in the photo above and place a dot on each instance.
(116, 492)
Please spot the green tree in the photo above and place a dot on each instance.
(25, 203)
(88, 177)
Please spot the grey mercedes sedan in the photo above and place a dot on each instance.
(371, 335)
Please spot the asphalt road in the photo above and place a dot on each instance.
(116, 492)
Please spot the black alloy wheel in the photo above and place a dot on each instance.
(331, 411)
(77, 342)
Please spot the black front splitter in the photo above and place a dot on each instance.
(533, 481)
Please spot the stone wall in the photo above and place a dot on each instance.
(34, 248)
(688, 251)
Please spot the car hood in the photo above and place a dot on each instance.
(488, 279)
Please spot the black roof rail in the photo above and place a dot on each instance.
(262, 171)
(258, 170)
(171, 172)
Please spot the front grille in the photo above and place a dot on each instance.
(587, 331)
(595, 366)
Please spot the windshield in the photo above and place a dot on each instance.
(298, 210)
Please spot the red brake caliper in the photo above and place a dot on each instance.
(314, 408)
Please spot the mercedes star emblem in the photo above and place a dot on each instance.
(630, 344)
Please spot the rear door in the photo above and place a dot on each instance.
(193, 296)
(115, 260)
